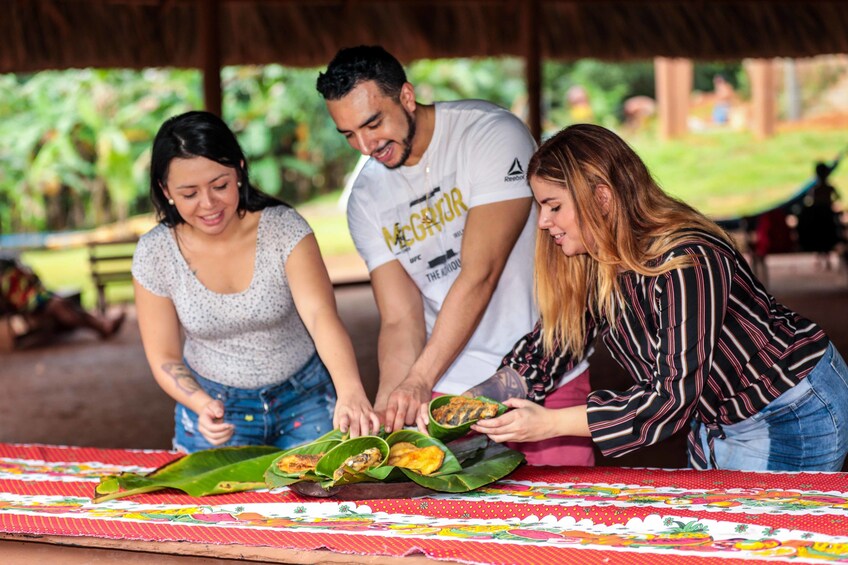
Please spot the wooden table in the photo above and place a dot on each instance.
(535, 516)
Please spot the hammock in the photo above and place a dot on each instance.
(792, 203)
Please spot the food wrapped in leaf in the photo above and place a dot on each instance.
(461, 409)
(368, 459)
(298, 463)
(348, 461)
(451, 416)
(425, 460)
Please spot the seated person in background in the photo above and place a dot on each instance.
(239, 273)
(29, 306)
(758, 386)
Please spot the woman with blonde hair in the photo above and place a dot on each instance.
(760, 387)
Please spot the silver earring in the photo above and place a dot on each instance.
(171, 201)
(239, 184)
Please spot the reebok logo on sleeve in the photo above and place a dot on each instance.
(515, 173)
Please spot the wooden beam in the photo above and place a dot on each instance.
(673, 79)
(533, 65)
(763, 97)
(209, 16)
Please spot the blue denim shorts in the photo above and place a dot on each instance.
(294, 412)
(804, 429)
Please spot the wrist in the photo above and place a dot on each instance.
(199, 403)
(571, 421)
(350, 389)
(420, 377)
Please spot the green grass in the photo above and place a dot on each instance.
(722, 173)
(730, 174)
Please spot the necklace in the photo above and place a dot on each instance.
(428, 217)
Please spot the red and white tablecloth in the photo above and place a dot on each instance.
(535, 516)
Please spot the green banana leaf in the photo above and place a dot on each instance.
(334, 459)
(488, 469)
(275, 478)
(448, 433)
(212, 471)
(336, 435)
(390, 472)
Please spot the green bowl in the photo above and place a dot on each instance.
(448, 433)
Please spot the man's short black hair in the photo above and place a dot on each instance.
(354, 65)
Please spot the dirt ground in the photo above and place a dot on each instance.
(82, 391)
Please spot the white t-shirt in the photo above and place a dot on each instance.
(248, 339)
(416, 215)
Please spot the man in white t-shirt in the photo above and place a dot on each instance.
(442, 215)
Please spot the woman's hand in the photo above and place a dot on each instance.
(354, 415)
(530, 422)
(210, 423)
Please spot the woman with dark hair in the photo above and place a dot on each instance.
(240, 274)
(760, 387)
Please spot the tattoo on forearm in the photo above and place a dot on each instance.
(182, 377)
(506, 383)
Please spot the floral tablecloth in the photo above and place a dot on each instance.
(535, 516)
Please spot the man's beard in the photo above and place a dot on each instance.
(406, 143)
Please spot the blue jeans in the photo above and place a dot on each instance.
(294, 412)
(804, 429)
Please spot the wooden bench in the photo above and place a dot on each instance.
(111, 264)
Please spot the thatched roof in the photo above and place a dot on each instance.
(58, 34)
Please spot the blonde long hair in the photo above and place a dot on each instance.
(638, 224)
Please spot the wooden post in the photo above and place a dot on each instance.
(763, 97)
(533, 66)
(793, 90)
(673, 78)
(209, 19)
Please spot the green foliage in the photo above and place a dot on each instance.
(74, 145)
(608, 85)
(728, 174)
(292, 146)
(703, 74)
(500, 81)
(212, 471)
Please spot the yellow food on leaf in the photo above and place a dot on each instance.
(460, 410)
(298, 463)
(425, 460)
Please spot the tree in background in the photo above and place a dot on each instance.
(74, 144)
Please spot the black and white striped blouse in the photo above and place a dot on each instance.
(705, 341)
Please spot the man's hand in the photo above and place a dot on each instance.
(405, 401)
(210, 423)
(423, 418)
